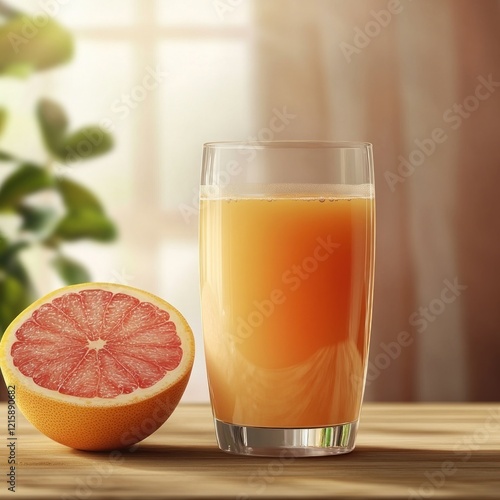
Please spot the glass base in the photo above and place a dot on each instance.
(286, 443)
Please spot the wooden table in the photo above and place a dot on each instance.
(411, 451)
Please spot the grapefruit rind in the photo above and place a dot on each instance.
(99, 423)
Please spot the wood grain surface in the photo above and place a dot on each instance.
(412, 451)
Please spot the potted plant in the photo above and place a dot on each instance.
(30, 44)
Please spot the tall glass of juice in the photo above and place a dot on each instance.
(287, 232)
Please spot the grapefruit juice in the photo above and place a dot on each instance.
(286, 284)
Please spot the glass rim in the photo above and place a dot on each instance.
(287, 144)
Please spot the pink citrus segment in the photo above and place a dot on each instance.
(97, 344)
(107, 350)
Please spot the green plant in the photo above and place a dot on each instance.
(29, 44)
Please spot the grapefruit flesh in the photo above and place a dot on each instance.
(98, 366)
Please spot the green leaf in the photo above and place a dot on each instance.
(8, 255)
(36, 219)
(77, 197)
(33, 42)
(53, 124)
(8, 11)
(11, 264)
(27, 179)
(18, 70)
(16, 291)
(11, 289)
(6, 156)
(3, 243)
(86, 143)
(11, 298)
(3, 119)
(70, 271)
(85, 223)
(15, 296)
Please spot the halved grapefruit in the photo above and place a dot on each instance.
(98, 366)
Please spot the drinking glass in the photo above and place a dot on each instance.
(287, 234)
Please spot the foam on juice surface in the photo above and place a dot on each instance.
(295, 191)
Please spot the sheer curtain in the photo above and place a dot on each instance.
(420, 80)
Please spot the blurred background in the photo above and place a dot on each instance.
(104, 107)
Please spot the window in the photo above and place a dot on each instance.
(168, 75)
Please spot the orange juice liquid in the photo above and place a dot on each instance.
(286, 283)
